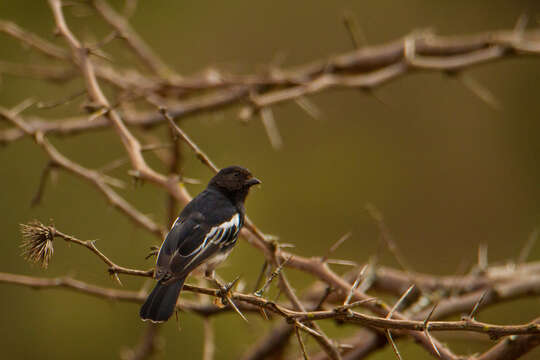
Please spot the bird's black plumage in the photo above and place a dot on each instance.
(204, 233)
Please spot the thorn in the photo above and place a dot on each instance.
(270, 126)
(337, 244)
(98, 114)
(230, 285)
(45, 174)
(53, 104)
(394, 347)
(271, 278)
(308, 329)
(521, 24)
(386, 237)
(261, 275)
(479, 90)
(327, 293)
(233, 305)
(477, 305)
(22, 106)
(117, 278)
(309, 107)
(355, 285)
(264, 314)
(482, 257)
(401, 299)
(371, 275)
(430, 314)
(428, 335)
(356, 304)
(301, 342)
(526, 250)
(356, 34)
(342, 262)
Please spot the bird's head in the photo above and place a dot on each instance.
(234, 181)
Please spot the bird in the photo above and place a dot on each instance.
(202, 236)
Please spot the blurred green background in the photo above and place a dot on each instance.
(448, 172)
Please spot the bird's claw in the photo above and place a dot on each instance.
(154, 250)
(224, 293)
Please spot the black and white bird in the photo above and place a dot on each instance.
(201, 237)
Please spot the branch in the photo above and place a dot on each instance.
(97, 179)
(32, 40)
(131, 144)
(37, 233)
(367, 67)
(69, 283)
(364, 68)
(139, 47)
(512, 347)
(144, 119)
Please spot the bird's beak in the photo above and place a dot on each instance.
(253, 181)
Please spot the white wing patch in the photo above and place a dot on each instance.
(233, 224)
(216, 235)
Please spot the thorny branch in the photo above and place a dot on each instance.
(367, 67)
(176, 97)
(338, 313)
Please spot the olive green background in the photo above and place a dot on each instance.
(448, 172)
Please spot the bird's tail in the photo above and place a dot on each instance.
(161, 302)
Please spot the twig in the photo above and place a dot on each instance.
(271, 278)
(124, 30)
(326, 344)
(33, 40)
(95, 178)
(200, 155)
(40, 232)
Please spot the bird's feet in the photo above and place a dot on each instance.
(154, 250)
(224, 292)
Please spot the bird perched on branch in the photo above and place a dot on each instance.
(201, 237)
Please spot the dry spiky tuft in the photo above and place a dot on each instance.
(37, 243)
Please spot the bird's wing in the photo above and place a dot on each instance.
(191, 241)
